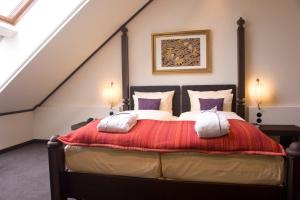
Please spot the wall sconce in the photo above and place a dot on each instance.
(258, 94)
(111, 95)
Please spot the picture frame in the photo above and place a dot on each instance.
(181, 52)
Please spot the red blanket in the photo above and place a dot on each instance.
(169, 136)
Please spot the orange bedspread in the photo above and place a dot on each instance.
(169, 136)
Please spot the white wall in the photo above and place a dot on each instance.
(177, 15)
(15, 129)
(272, 48)
(272, 44)
(81, 97)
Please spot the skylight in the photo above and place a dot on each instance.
(12, 10)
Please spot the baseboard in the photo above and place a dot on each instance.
(17, 146)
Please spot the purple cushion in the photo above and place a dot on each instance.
(149, 104)
(207, 104)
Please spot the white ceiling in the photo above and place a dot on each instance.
(66, 51)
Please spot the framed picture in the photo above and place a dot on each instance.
(180, 52)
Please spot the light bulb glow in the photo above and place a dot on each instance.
(111, 94)
(259, 92)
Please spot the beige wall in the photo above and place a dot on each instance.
(272, 44)
(272, 49)
(15, 129)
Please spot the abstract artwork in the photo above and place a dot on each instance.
(185, 51)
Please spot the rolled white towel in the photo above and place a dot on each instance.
(118, 123)
(211, 124)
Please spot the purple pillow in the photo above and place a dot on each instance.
(149, 104)
(207, 104)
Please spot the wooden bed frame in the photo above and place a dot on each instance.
(87, 186)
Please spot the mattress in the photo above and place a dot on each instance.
(231, 168)
(112, 161)
(188, 166)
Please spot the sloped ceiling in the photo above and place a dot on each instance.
(66, 51)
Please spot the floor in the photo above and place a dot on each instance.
(24, 174)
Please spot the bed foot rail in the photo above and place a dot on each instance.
(293, 173)
(56, 168)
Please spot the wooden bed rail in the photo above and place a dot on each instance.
(293, 171)
(56, 157)
(80, 185)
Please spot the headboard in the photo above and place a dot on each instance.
(186, 105)
(176, 98)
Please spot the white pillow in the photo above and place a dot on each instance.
(195, 95)
(165, 103)
(191, 116)
(153, 114)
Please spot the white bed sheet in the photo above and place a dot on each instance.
(192, 115)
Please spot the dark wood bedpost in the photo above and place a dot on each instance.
(293, 171)
(241, 68)
(125, 69)
(56, 167)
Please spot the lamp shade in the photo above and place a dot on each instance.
(111, 94)
(259, 91)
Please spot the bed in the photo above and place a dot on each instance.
(140, 173)
(163, 175)
(188, 166)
